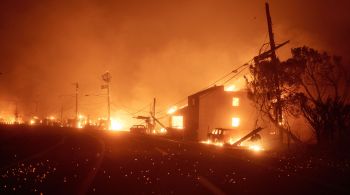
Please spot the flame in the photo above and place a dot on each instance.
(162, 130)
(233, 140)
(79, 125)
(231, 88)
(256, 148)
(116, 125)
(172, 110)
(220, 144)
(32, 122)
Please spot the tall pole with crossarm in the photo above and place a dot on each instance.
(76, 102)
(106, 77)
(274, 60)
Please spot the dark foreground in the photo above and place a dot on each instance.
(69, 161)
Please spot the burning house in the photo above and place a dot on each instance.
(212, 108)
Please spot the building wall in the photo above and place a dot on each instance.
(216, 111)
(192, 118)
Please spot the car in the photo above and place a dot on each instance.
(220, 135)
(138, 129)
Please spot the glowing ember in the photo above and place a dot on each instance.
(116, 125)
(32, 122)
(213, 143)
(79, 125)
(256, 148)
(162, 130)
(232, 140)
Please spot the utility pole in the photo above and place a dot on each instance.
(76, 102)
(61, 114)
(154, 112)
(36, 108)
(16, 114)
(106, 77)
(271, 36)
(154, 107)
(274, 60)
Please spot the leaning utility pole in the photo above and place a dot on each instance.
(275, 62)
(154, 111)
(271, 36)
(106, 77)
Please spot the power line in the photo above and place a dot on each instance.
(234, 75)
(220, 79)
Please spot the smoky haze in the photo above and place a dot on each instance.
(163, 49)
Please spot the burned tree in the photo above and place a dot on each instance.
(312, 84)
(274, 90)
(273, 84)
(324, 96)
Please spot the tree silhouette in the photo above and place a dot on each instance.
(312, 84)
(271, 84)
(324, 98)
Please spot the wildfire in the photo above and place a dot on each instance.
(172, 110)
(34, 121)
(80, 125)
(213, 143)
(230, 88)
(256, 148)
(162, 130)
(116, 125)
(232, 140)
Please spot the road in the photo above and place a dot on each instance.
(72, 161)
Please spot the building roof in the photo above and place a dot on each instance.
(208, 90)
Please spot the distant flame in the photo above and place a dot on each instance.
(162, 130)
(116, 125)
(32, 122)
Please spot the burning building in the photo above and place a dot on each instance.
(212, 108)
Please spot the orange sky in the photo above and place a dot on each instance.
(163, 49)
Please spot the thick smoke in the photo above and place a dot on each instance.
(163, 49)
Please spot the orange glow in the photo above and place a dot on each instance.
(177, 122)
(233, 140)
(81, 121)
(235, 122)
(231, 88)
(220, 144)
(117, 125)
(253, 146)
(32, 122)
(256, 148)
(172, 110)
(8, 120)
(79, 125)
(235, 101)
(162, 130)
